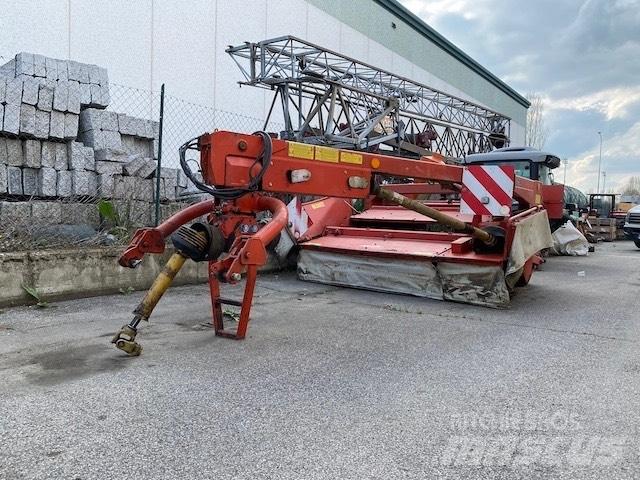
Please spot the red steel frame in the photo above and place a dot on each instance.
(247, 252)
(229, 160)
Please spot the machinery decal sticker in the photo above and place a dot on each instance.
(348, 157)
(488, 190)
(300, 150)
(327, 154)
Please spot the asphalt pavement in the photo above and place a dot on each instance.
(334, 383)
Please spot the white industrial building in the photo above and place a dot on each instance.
(181, 43)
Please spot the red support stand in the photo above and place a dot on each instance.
(217, 301)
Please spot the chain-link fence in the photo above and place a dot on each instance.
(182, 121)
(80, 158)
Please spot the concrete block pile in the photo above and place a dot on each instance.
(58, 142)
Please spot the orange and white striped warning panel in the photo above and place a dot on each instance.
(488, 190)
(298, 218)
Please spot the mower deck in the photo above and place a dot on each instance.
(391, 214)
(426, 264)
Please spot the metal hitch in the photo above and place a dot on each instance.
(125, 341)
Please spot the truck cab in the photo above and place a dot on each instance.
(535, 165)
(528, 162)
(632, 225)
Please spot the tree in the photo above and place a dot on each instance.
(632, 187)
(536, 131)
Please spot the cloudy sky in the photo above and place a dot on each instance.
(582, 56)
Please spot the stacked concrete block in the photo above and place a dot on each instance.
(115, 137)
(82, 213)
(32, 153)
(8, 69)
(80, 157)
(15, 156)
(27, 120)
(30, 181)
(64, 183)
(30, 88)
(70, 126)
(3, 179)
(58, 142)
(131, 188)
(106, 183)
(24, 64)
(45, 98)
(47, 182)
(94, 119)
(43, 121)
(11, 124)
(14, 180)
(83, 183)
(56, 126)
(61, 160)
(136, 127)
(168, 184)
(33, 87)
(73, 97)
(102, 140)
(112, 155)
(99, 130)
(108, 168)
(14, 212)
(140, 167)
(47, 213)
(74, 77)
(61, 96)
(138, 146)
(48, 154)
(140, 213)
(123, 150)
(13, 93)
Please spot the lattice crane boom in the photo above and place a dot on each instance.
(331, 99)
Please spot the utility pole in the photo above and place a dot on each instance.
(604, 182)
(599, 163)
(566, 162)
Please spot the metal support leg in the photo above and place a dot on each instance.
(245, 305)
(247, 299)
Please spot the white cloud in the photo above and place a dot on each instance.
(620, 159)
(612, 103)
(431, 10)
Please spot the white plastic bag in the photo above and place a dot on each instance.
(567, 240)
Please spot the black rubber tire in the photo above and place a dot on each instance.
(637, 242)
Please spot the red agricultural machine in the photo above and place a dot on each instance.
(386, 213)
(478, 254)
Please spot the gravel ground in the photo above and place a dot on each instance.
(334, 383)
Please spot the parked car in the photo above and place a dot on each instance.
(632, 225)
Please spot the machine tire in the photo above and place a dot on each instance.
(637, 242)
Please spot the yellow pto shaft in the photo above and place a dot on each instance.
(160, 285)
(125, 338)
(438, 216)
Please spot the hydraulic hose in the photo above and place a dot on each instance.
(229, 193)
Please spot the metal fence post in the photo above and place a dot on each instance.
(160, 128)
